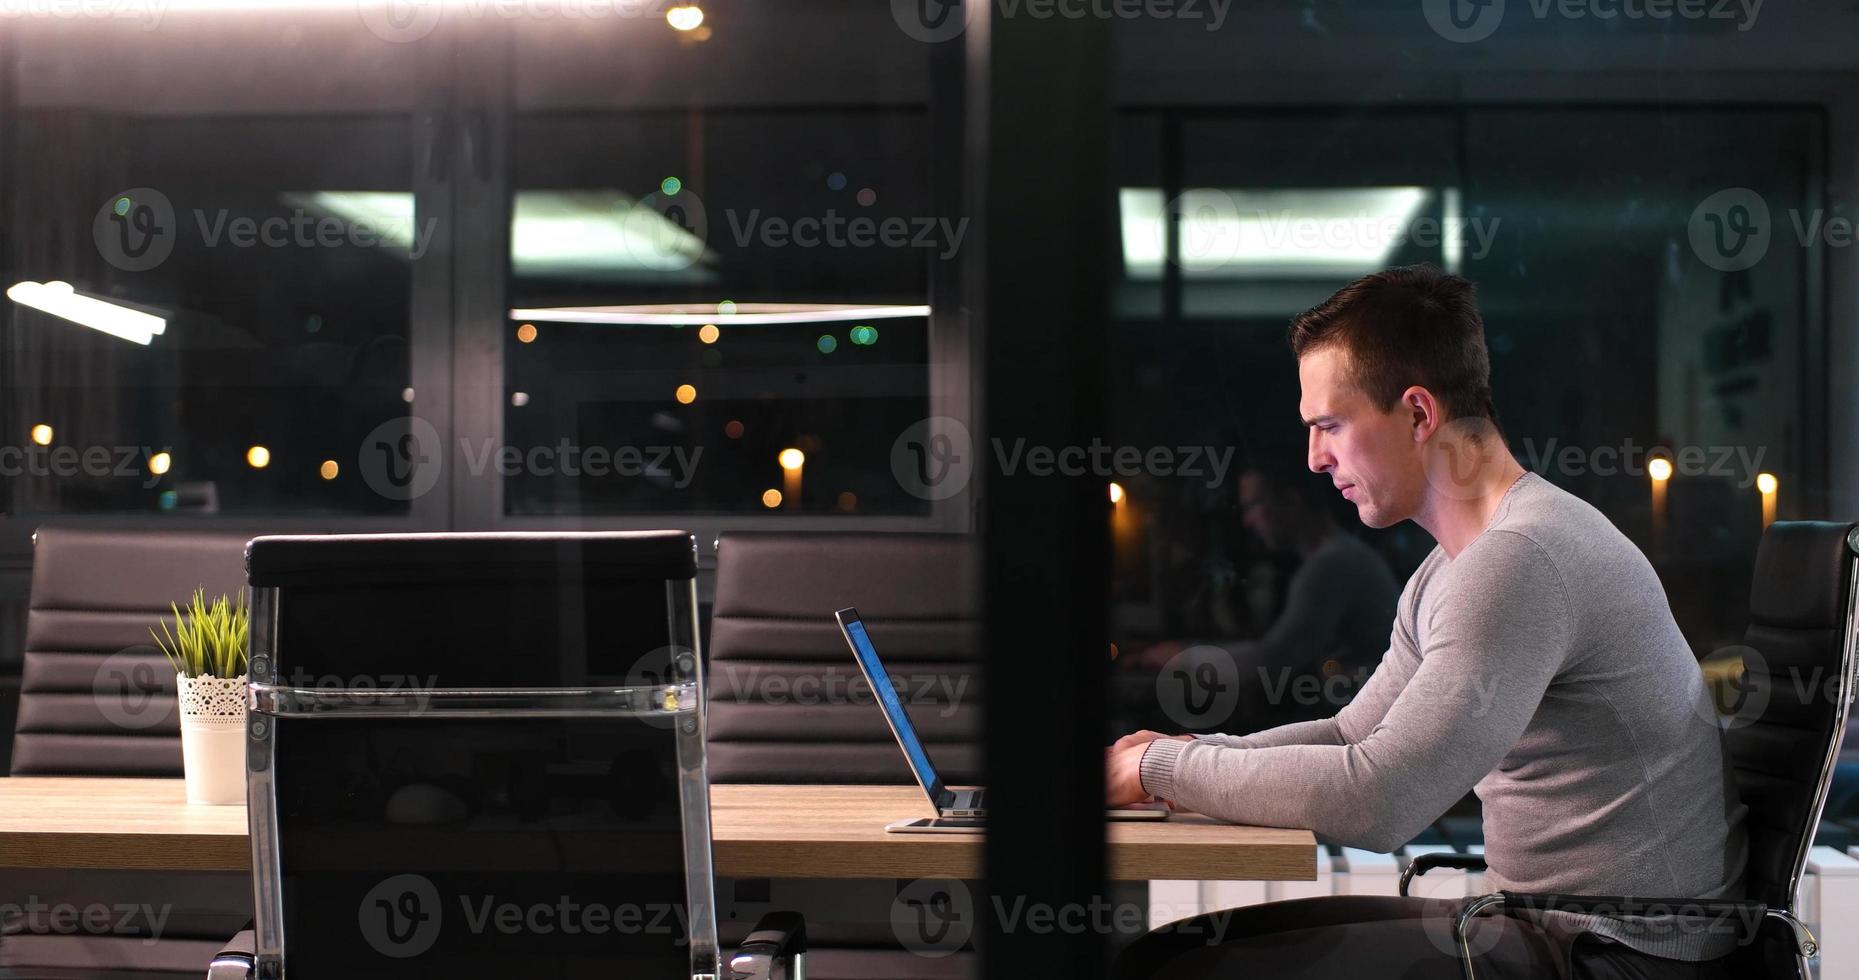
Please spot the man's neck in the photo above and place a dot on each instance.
(1456, 521)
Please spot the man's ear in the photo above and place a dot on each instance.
(1423, 412)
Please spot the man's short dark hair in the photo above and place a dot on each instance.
(1412, 325)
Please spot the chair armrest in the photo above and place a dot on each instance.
(1426, 862)
(779, 939)
(235, 960)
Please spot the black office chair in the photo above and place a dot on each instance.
(450, 774)
(98, 699)
(1803, 618)
(787, 702)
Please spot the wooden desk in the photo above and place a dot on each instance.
(759, 832)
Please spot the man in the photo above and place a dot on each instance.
(1533, 660)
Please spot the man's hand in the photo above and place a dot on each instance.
(1123, 782)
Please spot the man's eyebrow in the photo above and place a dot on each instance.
(1319, 420)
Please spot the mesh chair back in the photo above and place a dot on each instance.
(479, 755)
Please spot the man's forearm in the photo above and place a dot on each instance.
(1321, 731)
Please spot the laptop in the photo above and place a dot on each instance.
(965, 805)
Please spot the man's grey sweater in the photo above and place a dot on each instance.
(1541, 669)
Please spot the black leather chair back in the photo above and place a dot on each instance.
(1798, 675)
(787, 701)
(96, 696)
(465, 841)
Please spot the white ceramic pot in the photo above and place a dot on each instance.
(213, 738)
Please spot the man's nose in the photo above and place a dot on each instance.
(1319, 459)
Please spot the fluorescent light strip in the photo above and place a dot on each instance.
(745, 314)
(60, 300)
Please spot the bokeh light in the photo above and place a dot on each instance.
(687, 394)
(771, 498)
(708, 333)
(792, 459)
(258, 457)
(526, 334)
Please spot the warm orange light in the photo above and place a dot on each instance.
(792, 459)
(42, 434)
(708, 333)
(1659, 469)
(329, 469)
(684, 17)
(1766, 483)
(258, 457)
(848, 500)
(1116, 493)
(526, 333)
(159, 463)
(687, 394)
(771, 498)
(733, 429)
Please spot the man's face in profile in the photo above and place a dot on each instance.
(1370, 455)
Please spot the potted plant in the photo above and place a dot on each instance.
(207, 647)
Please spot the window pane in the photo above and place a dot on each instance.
(696, 291)
(233, 257)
